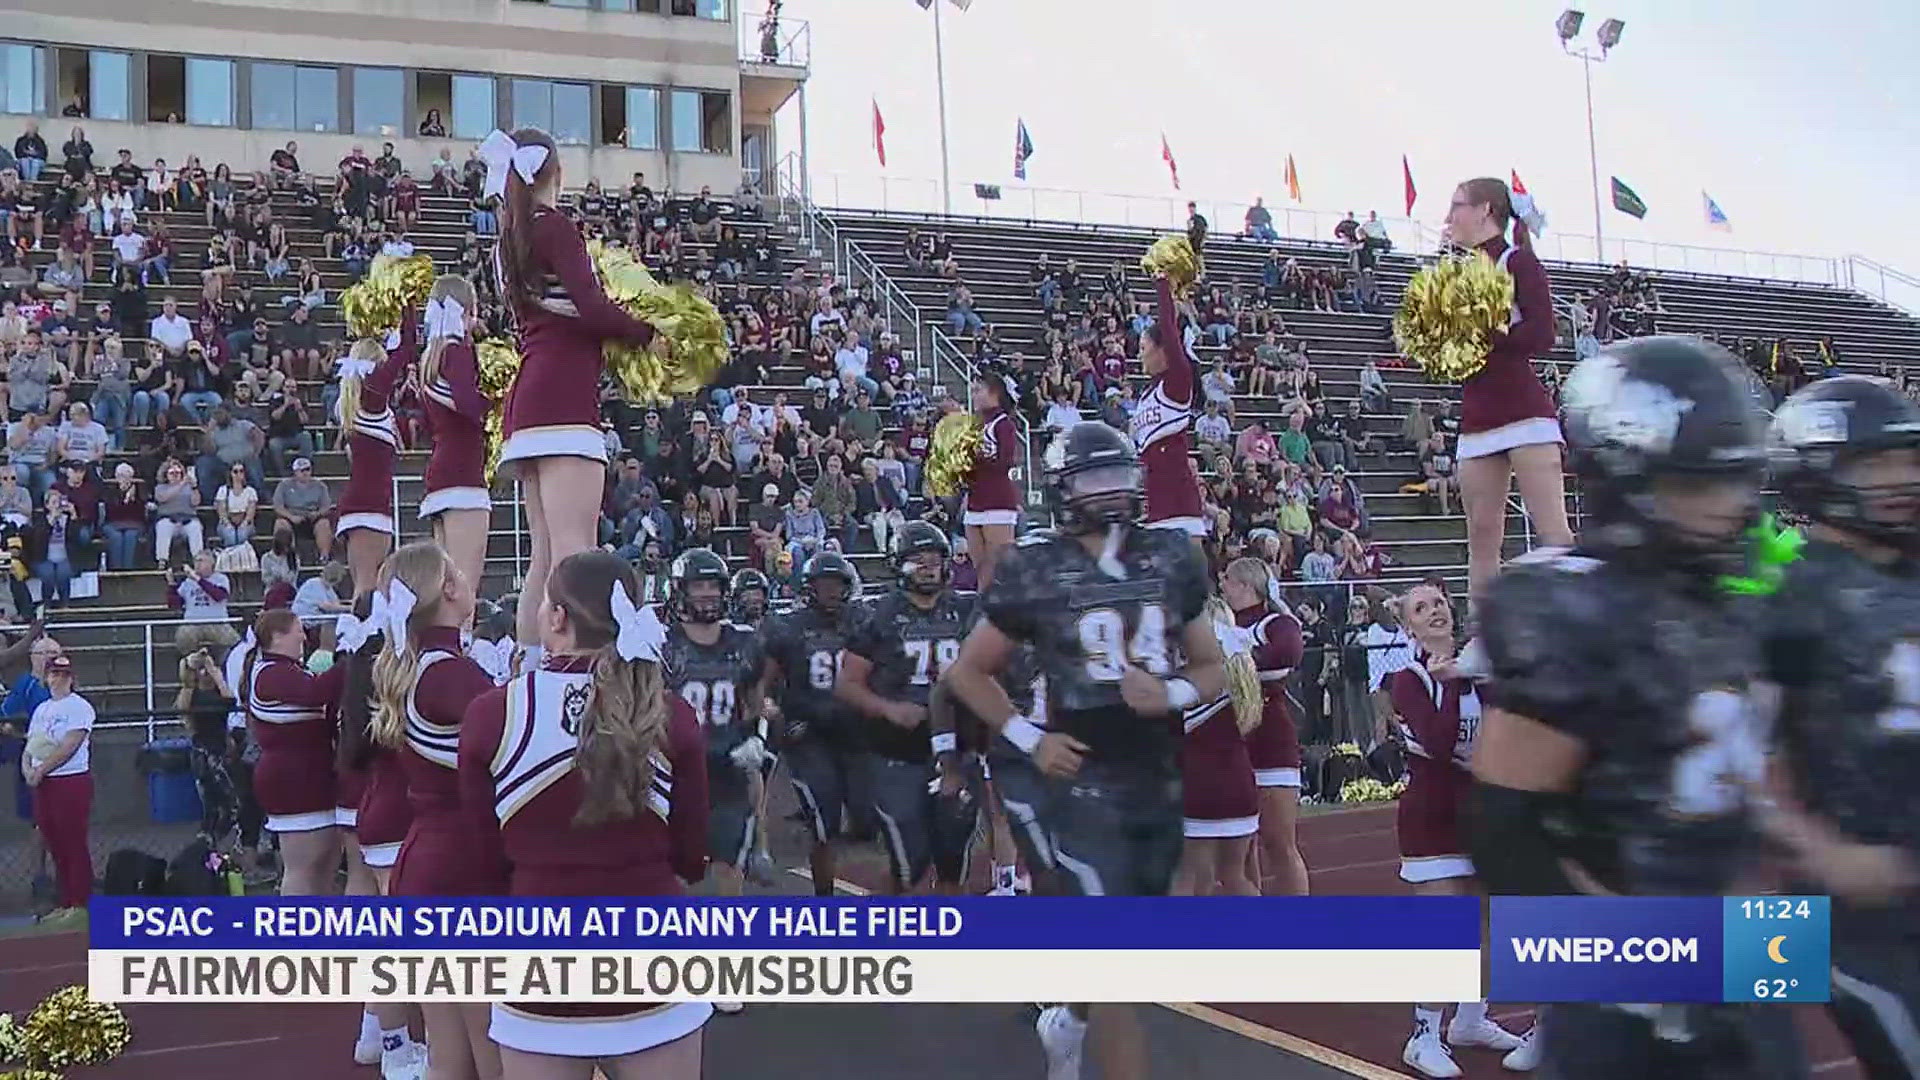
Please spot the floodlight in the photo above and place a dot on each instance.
(1569, 24)
(1609, 33)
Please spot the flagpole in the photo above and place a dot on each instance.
(1593, 161)
(940, 74)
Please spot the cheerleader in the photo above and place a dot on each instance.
(1161, 423)
(993, 499)
(422, 684)
(551, 420)
(1249, 588)
(590, 778)
(287, 713)
(1439, 714)
(457, 501)
(368, 377)
(1509, 426)
(380, 821)
(1221, 804)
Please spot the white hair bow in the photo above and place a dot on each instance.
(641, 634)
(350, 633)
(501, 153)
(446, 318)
(392, 614)
(352, 367)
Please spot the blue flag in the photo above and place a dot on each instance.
(1022, 150)
(1716, 217)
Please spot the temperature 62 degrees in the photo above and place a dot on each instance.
(1769, 989)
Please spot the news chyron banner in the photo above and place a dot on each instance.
(1659, 950)
(767, 949)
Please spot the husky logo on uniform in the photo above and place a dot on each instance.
(573, 707)
(1621, 411)
(1813, 423)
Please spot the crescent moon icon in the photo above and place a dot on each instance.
(1773, 949)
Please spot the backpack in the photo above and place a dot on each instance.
(132, 872)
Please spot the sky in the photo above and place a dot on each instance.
(1801, 119)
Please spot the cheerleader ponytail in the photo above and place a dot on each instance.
(624, 727)
(516, 165)
(361, 359)
(359, 642)
(449, 306)
(412, 581)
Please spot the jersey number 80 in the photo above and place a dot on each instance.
(1102, 631)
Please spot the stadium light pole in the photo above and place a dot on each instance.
(940, 76)
(1606, 37)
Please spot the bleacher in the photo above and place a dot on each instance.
(994, 257)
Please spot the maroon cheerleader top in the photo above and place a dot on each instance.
(1438, 721)
(991, 494)
(374, 442)
(553, 408)
(1161, 429)
(440, 857)
(457, 417)
(1278, 645)
(289, 719)
(1507, 391)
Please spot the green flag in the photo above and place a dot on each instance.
(1625, 201)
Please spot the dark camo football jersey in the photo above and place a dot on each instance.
(1087, 623)
(909, 649)
(1843, 642)
(716, 680)
(1658, 676)
(806, 643)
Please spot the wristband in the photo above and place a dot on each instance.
(1022, 733)
(945, 742)
(1181, 694)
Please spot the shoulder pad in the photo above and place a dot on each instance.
(1563, 559)
(1036, 538)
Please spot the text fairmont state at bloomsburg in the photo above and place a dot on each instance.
(493, 923)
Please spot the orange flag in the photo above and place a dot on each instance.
(1293, 180)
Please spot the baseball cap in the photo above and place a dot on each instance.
(62, 665)
(300, 463)
(699, 417)
(770, 489)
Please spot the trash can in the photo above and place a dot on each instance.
(171, 795)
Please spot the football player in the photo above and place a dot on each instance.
(751, 590)
(1843, 643)
(1113, 612)
(820, 739)
(1625, 729)
(903, 643)
(715, 667)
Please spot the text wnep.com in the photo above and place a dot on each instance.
(1600, 950)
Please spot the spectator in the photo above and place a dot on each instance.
(805, 530)
(16, 504)
(52, 547)
(203, 379)
(1214, 432)
(744, 439)
(1373, 389)
(126, 516)
(1340, 506)
(1417, 427)
(1319, 566)
(170, 329)
(30, 150)
(1324, 438)
(30, 375)
(81, 438)
(878, 502)
(1436, 470)
(156, 385)
(279, 573)
(961, 318)
(78, 153)
(302, 506)
(62, 786)
(432, 127)
(236, 503)
(1354, 436)
(862, 422)
(284, 164)
(64, 275)
(1256, 445)
(1196, 224)
(1061, 414)
(297, 341)
(176, 503)
(129, 247)
(200, 593)
(31, 442)
(1260, 222)
(317, 602)
(766, 526)
(834, 500)
(1217, 386)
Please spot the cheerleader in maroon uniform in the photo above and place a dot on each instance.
(287, 715)
(1222, 806)
(457, 500)
(1439, 714)
(590, 778)
(380, 820)
(1161, 424)
(1509, 426)
(993, 499)
(1249, 589)
(368, 377)
(423, 683)
(551, 420)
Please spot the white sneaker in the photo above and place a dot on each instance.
(1062, 1035)
(728, 1007)
(366, 1050)
(1428, 1056)
(1484, 1034)
(409, 1062)
(1526, 1056)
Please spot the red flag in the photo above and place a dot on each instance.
(879, 134)
(1166, 155)
(1406, 171)
(1518, 187)
(1293, 180)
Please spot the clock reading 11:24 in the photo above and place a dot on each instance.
(1785, 907)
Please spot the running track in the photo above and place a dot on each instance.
(1349, 852)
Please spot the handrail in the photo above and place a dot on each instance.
(1892, 287)
(791, 40)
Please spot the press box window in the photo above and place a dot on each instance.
(630, 117)
(288, 97)
(702, 122)
(562, 110)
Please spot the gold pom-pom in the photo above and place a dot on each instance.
(13, 1040)
(499, 364)
(1174, 258)
(70, 1029)
(691, 338)
(1450, 314)
(1367, 790)
(373, 305)
(29, 1074)
(956, 443)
